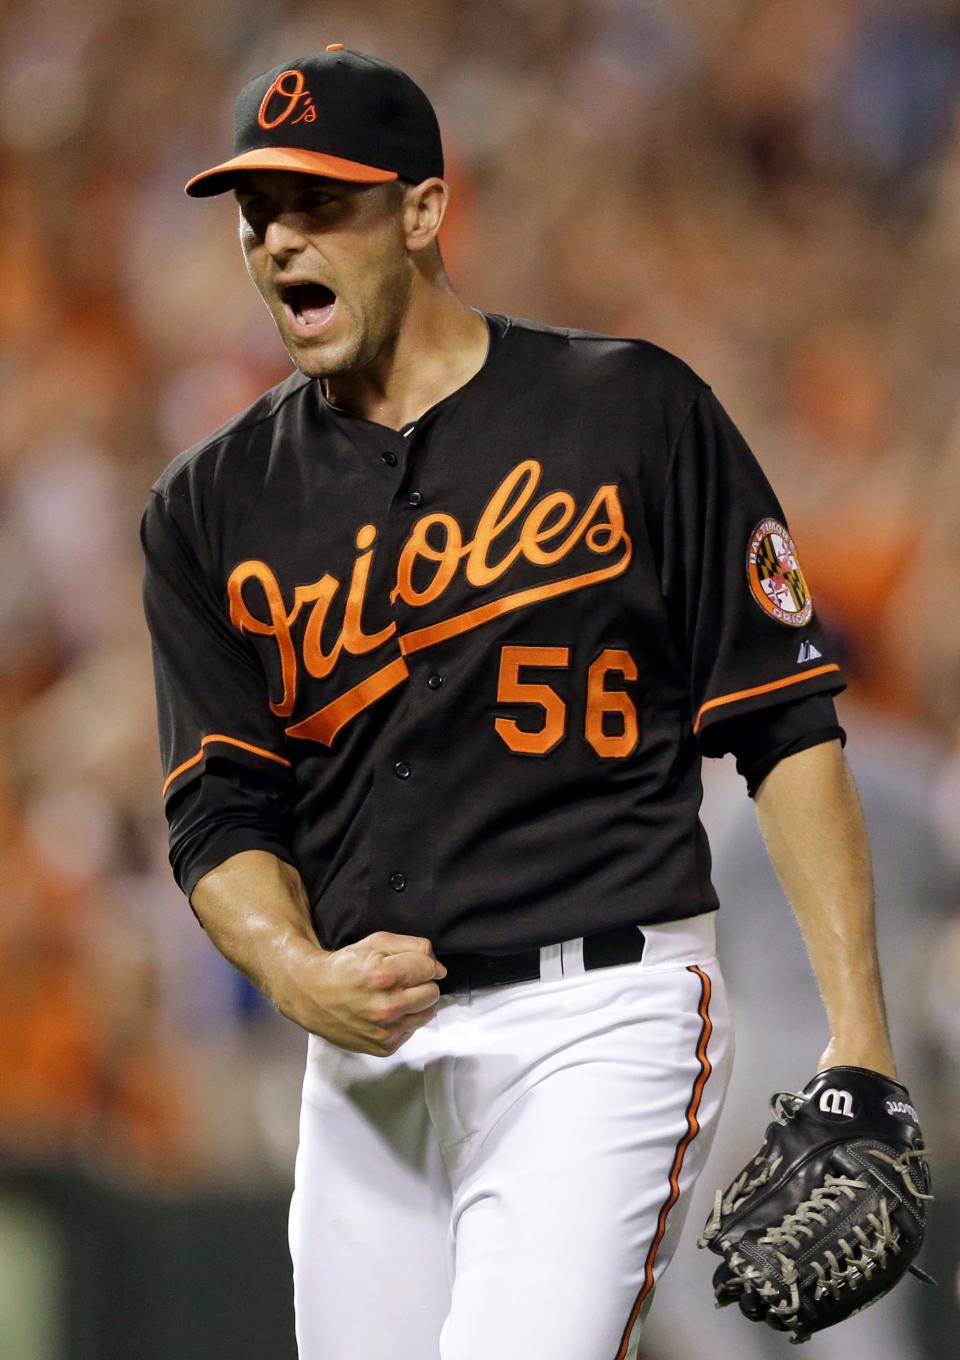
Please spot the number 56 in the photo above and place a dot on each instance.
(511, 689)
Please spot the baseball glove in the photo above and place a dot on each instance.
(831, 1211)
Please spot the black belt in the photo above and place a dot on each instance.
(467, 972)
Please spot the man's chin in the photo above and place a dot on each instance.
(320, 358)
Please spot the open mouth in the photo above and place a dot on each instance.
(310, 304)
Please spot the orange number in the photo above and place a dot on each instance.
(601, 700)
(512, 690)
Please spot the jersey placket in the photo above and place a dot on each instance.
(403, 825)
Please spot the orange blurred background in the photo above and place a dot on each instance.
(769, 188)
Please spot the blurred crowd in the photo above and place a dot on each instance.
(769, 188)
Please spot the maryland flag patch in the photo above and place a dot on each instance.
(776, 580)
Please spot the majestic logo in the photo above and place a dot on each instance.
(901, 1107)
(837, 1102)
(807, 652)
(512, 525)
(287, 95)
(776, 580)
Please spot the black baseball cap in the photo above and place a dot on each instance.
(338, 113)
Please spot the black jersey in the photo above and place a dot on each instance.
(480, 659)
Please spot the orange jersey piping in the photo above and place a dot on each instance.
(692, 1129)
(761, 689)
(229, 741)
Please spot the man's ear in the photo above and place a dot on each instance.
(423, 211)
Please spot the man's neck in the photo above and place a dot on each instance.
(440, 346)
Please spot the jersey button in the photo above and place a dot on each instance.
(435, 680)
(415, 499)
(390, 458)
(402, 770)
(398, 882)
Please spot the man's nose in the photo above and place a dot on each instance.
(284, 235)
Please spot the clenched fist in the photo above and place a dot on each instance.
(369, 996)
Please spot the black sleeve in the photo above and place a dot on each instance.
(760, 740)
(740, 608)
(212, 706)
(229, 810)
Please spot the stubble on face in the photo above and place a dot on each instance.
(308, 240)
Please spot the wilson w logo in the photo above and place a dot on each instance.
(833, 1101)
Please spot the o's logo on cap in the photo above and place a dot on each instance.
(776, 580)
(290, 86)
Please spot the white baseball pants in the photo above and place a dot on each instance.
(510, 1184)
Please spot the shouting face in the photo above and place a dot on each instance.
(331, 261)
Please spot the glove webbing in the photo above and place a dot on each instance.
(831, 1195)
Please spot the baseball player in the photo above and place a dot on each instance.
(442, 626)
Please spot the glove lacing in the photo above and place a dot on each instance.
(783, 1105)
(845, 1269)
(901, 1165)
(851, 1268)
(738, 1193)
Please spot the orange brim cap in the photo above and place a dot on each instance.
(221, 178)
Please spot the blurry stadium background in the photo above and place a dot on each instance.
(771, 189)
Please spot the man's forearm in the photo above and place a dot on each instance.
(811, 820)
(254, 908)
(369, 996)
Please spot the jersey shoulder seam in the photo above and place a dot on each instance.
(598, 337)
(189, 455)
(672, 458)
(526, 323)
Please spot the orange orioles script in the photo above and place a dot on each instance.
(290, 86)
(511, 525)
